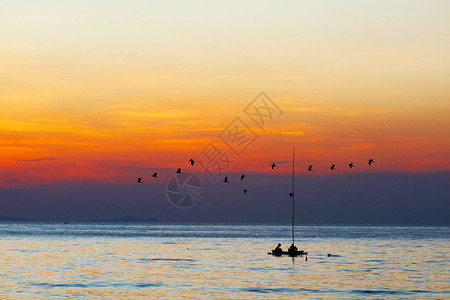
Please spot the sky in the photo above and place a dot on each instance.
(102, 92)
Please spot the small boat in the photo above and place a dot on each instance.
(292, 195)
(288, 253)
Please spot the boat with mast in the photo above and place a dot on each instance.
(292, 253)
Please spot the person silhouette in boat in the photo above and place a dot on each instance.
(278, 249)
(293, 249)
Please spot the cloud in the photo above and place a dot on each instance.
(38, 159)
(370, 198)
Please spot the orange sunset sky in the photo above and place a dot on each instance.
(93, 90)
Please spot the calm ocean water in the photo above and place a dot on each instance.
(222, 261)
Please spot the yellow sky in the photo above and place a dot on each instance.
(93, 80)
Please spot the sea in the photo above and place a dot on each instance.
(222, 261)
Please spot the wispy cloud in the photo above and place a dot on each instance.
(38, 159)
(294, 132)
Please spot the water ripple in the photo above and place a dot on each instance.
(228, 261)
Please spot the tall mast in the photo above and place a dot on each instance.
(293, 194)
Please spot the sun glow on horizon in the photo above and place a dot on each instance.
(89, 90)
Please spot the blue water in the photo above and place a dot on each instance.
(224, 261)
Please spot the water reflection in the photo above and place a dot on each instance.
(116, 260)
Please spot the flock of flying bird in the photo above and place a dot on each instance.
(333, 166)
(192, 162)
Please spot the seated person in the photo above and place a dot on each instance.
(278, 249)
(292, 249)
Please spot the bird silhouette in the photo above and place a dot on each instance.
(273, 166)
(192, 162)
(226, 179)
(350, 165)
(139, 180)
(310, 168)
(155, 175)
(370, 162)
(245, 191)
(242, 177)
(332, 167)
(291, 195)
(178, 171)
